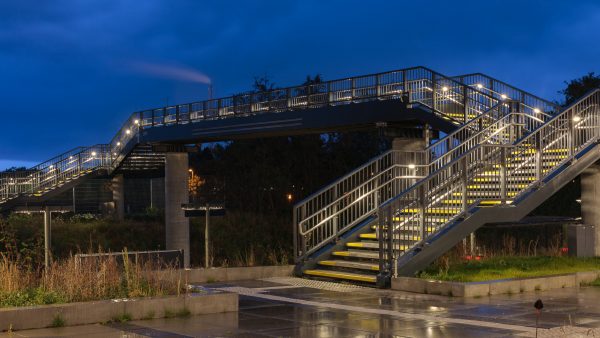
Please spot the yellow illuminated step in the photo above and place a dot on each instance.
(350, 265)
(372, 235)
(416, 227)
(367, 245)
(342, 275)
(492, 191)
(511, 178)
(445, 211)
(545, 151)
(371, 255)
(484, 202)
(497, 186)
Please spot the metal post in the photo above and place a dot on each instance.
(74, 200)
(422, 207)
(404, 83)
(538, 158)
(390, 237)
(382, 220)
(465, 104)
(433, 94)
(472, 243)
(503, 175)
(464, 181)
(295, 230)
(47, 238)
(571, 136)
(206, 237)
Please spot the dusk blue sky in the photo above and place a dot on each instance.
(73, 70)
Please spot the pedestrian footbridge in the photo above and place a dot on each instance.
(504, 152)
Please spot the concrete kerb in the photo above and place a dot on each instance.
(70, 314)
(238, 273)
(495, 287)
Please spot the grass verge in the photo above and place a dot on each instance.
(509, 267)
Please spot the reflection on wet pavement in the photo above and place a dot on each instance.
(271, 309)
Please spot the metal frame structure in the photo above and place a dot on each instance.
(506, 149)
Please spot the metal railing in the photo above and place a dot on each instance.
(423, 85)
(54, 172)
(351, 199)
(504, 91)
(321, 217)
(498, 173)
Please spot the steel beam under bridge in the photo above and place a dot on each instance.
(352, 116)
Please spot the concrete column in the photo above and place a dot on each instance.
(408, 144)
(590, 203)
(118, 191)
(176, 194)
(47, 236)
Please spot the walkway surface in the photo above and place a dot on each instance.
(291, 307)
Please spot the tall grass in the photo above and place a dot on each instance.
(69, 280)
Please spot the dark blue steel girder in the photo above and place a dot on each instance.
(362, 115)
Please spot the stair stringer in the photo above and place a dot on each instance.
(419, 257)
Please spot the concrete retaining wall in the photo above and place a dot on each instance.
(34, 317)
(478, 289)
(242, 273)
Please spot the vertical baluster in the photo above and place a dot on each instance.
(503, 175)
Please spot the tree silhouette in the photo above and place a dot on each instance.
(576, 88)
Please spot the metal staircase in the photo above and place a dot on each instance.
(341, 238)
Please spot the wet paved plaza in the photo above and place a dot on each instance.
(288, 307)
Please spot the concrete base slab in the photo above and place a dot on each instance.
(496, 287)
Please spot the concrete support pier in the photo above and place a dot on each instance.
(118, 191)
(590, 207)
(408, 144)
(176, 194)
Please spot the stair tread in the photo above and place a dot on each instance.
(357, 254)
(342, 275)
(350, 264)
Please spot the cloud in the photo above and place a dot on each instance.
(170, 72)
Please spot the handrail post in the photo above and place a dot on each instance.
(464, 183)
(381, 221)
(433, 89)
(390, 245)
(422, 206)
(405, 84)
(377, 86)
(538, 158)
(334, 211)
(571, 136)
(352, 84)
(295, 230)
(465, 103)
(503, 175)
(189, 110)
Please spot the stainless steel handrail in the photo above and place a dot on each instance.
(514, 168)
